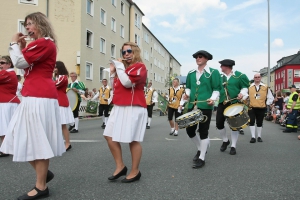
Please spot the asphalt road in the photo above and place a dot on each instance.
(267, 170)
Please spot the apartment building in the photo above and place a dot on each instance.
(90, 33)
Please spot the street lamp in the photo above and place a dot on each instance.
(268, 43)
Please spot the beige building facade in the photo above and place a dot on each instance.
(90, 33)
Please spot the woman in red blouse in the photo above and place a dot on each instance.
(128, 118)
(66, 115)
(8, 99)
(34, 132)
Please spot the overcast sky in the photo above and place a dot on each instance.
(234, 29)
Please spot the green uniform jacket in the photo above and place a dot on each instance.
(236, 82)
(209, 82)
(78, 86)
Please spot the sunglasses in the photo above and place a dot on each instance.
(2, 63)
(128, 51)
(256, 76)
(199, 56)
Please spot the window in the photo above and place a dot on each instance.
(122, 8)
(154, 77)
(137, 39)
(21, 27)
(113, 24)
(114, 3)
(296, 73)
(113, 50)
(101, 75)
(33, 2)
(102, 45)
(90, 7)
(89, 39)
(89, 71)
(103, 16)
(146, 37)
(137, 20)
(122, 31)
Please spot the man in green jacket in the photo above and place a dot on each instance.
(202, 88)
(79, 88)
(236, 84)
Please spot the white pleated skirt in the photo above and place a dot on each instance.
(34, 131)
(126, 124)
(6, 112)
(66, 115)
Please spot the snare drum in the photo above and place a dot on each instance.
(73, 98)
(190, 119)
(237, 116)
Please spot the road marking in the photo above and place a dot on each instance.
(86, 140)
(170, 139)
(215, 138)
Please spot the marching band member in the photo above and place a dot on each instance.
(203, 85)
(8, 99)
(175, 105)
(103, 95)
(128, 117)
(151, 98)
(79, 88)
(260, 97)
(66, 115)
(34, 132)
(236, 84)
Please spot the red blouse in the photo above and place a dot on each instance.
(8, 86)
(41, 57)
(123, 96)
(61, 86)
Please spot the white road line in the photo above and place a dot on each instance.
(170, 139)
(86, 140)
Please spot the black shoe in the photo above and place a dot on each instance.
(176, 134)
(259, 139)
(232, 151)
(71, 127)
(103, 126)
(199, 163)
(123, 172)
(69, 147)
(287, 131)
(74, 131)
(39, 195)
(171, 133)
(241, 132)
(50, 176)
(224, 146)
(253, 140)
(3, 154)
(136, 178)
(147, 127)
(196, 156)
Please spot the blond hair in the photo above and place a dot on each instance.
(136, 53)
(42, 24)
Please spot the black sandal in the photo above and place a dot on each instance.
(3, 154)
(39, 195)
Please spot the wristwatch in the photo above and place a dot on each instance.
(12, 43)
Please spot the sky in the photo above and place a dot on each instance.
(228, 29)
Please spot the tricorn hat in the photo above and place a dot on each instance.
(227, 62)
(204, 53)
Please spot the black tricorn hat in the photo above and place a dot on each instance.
(204, 53)
(292, 86)
(227, 62)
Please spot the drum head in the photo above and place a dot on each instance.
(191, 113)
(73, 98)
(233, 110)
